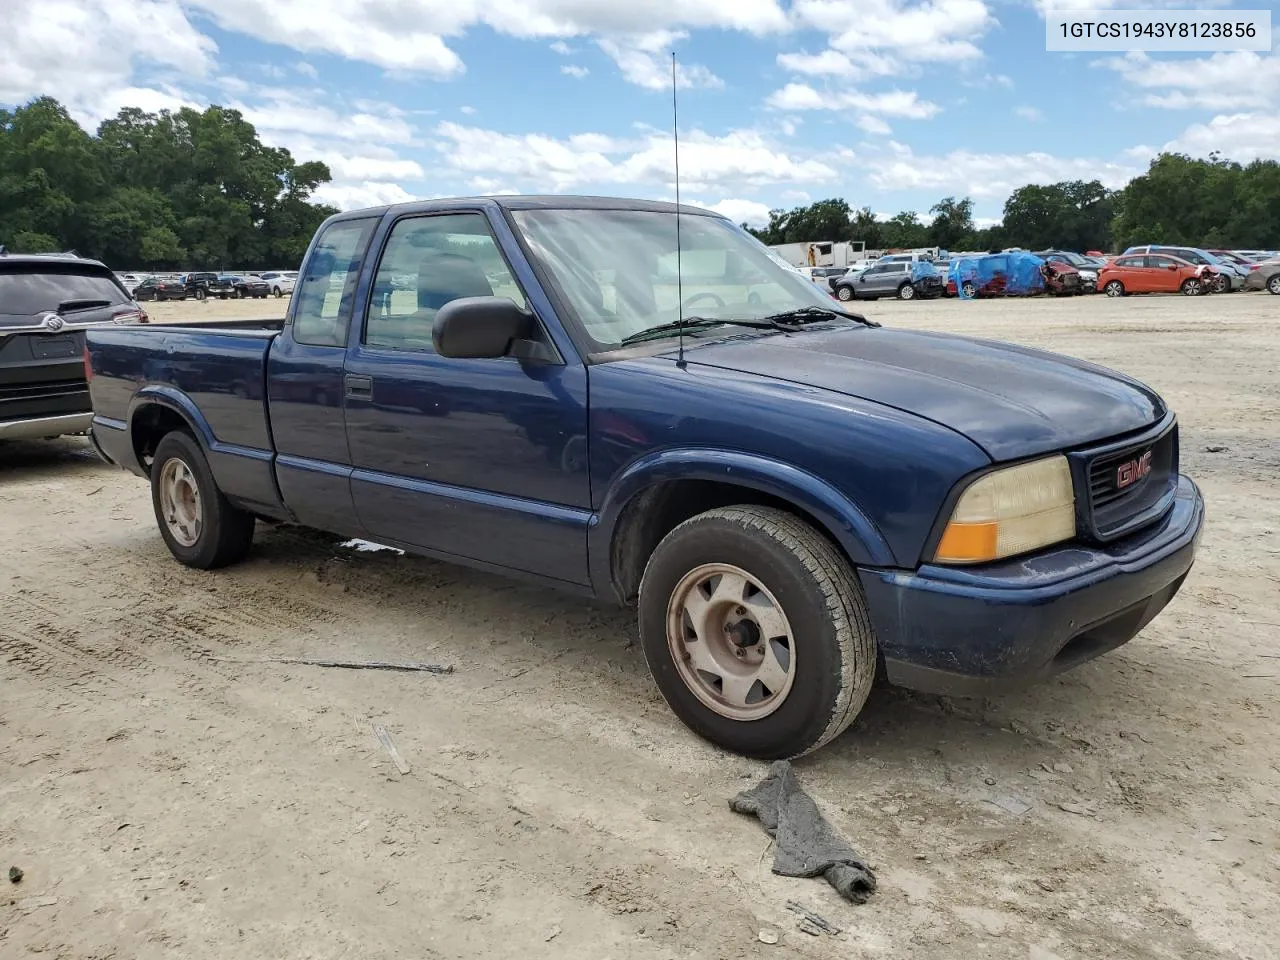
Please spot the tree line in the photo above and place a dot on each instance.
(154, 190)
(1180, 200)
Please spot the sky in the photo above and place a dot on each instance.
(890, 104)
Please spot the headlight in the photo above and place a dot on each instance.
(1011, 511)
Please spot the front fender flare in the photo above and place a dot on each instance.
(839, 516)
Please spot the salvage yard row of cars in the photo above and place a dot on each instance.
(1151, 268)
(205, 285)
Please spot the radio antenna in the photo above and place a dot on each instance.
(675, 136)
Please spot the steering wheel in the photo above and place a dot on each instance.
(704, 295)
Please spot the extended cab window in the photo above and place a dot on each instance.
(322, 302)
(429, 261)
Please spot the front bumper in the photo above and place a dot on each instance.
(969, 632)
(36, 428)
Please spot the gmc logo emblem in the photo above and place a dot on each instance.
(1127, 474)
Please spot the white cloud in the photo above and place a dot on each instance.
(468, 111)
(561, 48)
(750, 212)
(903, 30)
(890, 103)
(1031, 114)
(874, 126)
(1237, 136)
(833, 63)
(644, 59)
(1223, 81)
(355, 196)
(739, 159)
(307, 70)
(414, 35)
(84, 52)
(573, 70)
(983, 175)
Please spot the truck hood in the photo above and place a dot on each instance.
(1011, 401)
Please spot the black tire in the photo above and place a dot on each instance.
(226, 532)
(1221, 284)
(242, 293)
(1191, 287)
(1114, 288)
(833, 644)
(200, 293)
(279, 292)
(1273, 285)
(969, 289)
(907, 291)
(844, 293)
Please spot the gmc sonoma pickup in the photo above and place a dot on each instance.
(794, 497)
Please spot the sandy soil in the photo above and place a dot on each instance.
(178, 801)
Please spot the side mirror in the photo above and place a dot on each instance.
(473, 328)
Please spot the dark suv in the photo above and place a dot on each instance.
(46, 302)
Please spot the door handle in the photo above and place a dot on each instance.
(357, 387)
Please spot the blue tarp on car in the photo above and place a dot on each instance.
(923, 268)
(997, 274)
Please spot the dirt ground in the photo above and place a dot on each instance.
(169, 797)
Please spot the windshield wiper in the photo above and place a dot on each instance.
(66, 306)
(692, 323)
(803, 315)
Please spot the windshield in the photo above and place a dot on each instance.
(1076, 260)
(31, 290)
(617, 270)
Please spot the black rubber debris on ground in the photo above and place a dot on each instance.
(806, 844)
(15, 874)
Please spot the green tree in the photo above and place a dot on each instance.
(1074, 215)
(952, 223)
(192, 188)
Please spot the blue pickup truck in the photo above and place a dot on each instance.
(642, 405)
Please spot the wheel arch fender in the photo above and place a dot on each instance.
(161, 397)
(634, 489)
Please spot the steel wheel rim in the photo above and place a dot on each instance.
(844, 293)
(713, 615)
(180, 504)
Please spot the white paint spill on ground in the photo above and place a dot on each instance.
(368, 546)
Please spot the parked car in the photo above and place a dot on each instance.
(205, 284)
(1012, 273)
(160, 288)
(894, 278)
(1265, 277)
(46, 304)
(1156, 273)
(280, 284)
(130, 280)
(1227, 277)
(795, 498)
(1084, 267)
(246, 286)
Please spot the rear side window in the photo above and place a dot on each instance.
(36, 289)
(327, 289)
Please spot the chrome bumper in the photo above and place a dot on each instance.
(39, 427)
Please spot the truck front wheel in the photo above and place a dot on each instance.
(200, 526)
(756, 631)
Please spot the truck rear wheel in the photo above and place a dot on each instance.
(200, 526)
(756, 632)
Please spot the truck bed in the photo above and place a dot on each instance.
(212, 377)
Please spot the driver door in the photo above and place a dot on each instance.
(482, 459)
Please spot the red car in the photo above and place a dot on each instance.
(1154, 273)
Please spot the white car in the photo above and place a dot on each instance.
(279, 282)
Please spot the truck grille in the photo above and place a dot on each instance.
(1128, 486)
